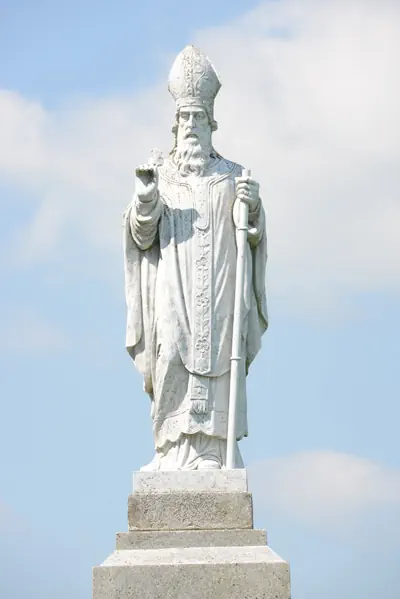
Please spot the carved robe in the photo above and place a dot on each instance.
(180, 268)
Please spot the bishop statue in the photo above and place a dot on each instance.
(180, 245)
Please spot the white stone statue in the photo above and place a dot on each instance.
(180, 265)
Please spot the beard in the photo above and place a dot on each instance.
(191, 158)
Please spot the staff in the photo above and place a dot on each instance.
(236, 357)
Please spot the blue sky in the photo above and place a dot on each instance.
(309, 101)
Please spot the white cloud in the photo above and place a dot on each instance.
(309, 101)
(316, 116)
(330, 491)
(78, 163)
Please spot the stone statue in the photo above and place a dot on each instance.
(180, 265)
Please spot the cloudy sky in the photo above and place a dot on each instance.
(309, 102)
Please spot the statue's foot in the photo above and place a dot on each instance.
(153, 466)
(209, 465)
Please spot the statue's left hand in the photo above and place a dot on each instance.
(248, 190)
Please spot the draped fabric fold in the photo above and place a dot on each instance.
(180, 267)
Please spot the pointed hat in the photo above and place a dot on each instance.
(193, 80)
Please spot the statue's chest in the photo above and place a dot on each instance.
(193, 201)
(193, 212)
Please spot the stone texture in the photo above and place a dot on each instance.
(166, 481)
(191, 545)
(188, 511)
(184, 250)
(193, 573)
(146, 539)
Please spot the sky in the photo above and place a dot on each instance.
(309, 101)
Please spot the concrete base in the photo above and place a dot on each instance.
(195, 573)
(191, 537)
(178, 481)
(190, 511)
(162, 539)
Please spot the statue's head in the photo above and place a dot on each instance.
(192, 126)
(193, 83)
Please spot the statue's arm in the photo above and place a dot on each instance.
(144, 219)
(256, 222)
(146, 206)
(247, 190)
(256, 229)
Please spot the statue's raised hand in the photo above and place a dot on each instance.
(146, 182)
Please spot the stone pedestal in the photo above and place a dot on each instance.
(191, 536)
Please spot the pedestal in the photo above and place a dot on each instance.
(191, 536)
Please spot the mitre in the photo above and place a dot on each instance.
(193, 80)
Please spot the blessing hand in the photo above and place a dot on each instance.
(146, 182)
(247, 190)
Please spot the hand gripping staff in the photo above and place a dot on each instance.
(236, 357)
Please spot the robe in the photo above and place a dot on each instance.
(180, 269)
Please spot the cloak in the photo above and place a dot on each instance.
(180, 267)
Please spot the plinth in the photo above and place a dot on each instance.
(191, 536)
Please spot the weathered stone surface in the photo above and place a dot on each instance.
(148, 539)
(165, 481)
(195, 224)
(191, 545)
(188, 511)
(193, 573)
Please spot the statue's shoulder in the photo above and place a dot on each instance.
(228, 166)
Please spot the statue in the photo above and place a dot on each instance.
(180, 242)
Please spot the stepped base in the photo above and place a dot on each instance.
(193, 573)
(191, 536)
(149, 539)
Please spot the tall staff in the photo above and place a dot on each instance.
(236, 357)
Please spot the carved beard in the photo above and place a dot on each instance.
(191, 159)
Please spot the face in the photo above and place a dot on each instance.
(193, 126)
